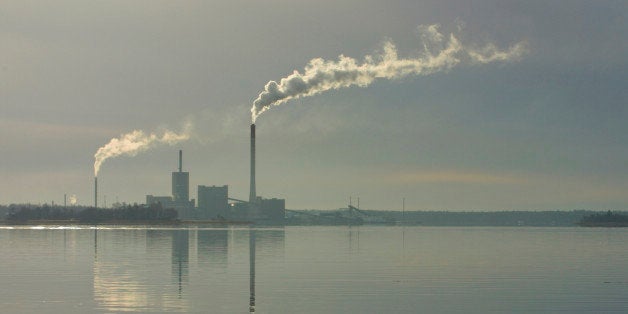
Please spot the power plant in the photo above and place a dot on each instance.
(180, 199)
(214, 202)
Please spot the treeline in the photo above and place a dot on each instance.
(127, 213)
(441, 218)
(486, 218)
(609, 219)
(501, 218)
(44, 212)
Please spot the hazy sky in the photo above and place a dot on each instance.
(547, 132)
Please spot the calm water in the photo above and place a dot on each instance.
(313, 270)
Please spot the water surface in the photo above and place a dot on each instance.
(362, 269)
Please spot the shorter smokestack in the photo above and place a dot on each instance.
(180, 160)
(96, 192)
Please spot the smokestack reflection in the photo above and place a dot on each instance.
(252, 270)
(180, 256)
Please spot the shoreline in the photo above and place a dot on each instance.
(71, 222)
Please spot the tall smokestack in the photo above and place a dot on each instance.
(180, 160)
(96, 192)
(252, 195)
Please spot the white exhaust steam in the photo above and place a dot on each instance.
(130, 144)
(73, 199)
(439, 54)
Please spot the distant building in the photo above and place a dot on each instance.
(180, 183)
(180, 186)
(239, 211)
(165, 201)
(184, 208)
(180, 199)
(213, 201)
(273, 209)
(181, 195)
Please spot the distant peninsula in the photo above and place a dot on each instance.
(156, 214)
(609, 219)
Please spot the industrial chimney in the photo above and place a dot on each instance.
(180, 160)
(96, 192)
(252, 195)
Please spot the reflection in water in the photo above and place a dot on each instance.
(180, 256)
(354, 238)
(272, 240)
(252, 270)
(272, 243)
(96, 244)
(212, 246)
(130, 268)
(121, 281)
(445, 270)
(403, 243)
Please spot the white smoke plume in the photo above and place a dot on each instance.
(439, 53)
(130, 144)
(73, 199)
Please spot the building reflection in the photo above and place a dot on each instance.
(272, 240)
(252, 270)
(123, 286)
(212, 247)
(354, 238)
(180, 257)
(157, 240)
(131, 275)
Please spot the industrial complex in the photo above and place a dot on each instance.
(214, 202)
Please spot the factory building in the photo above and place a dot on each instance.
(213, 202)
(265, 210)
(273, 209)
(180, 183)
(180, 199)
(164, 201)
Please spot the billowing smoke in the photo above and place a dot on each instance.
(73, 199)
(439, 53)
(130, 144)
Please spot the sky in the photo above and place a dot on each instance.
(547, 131)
